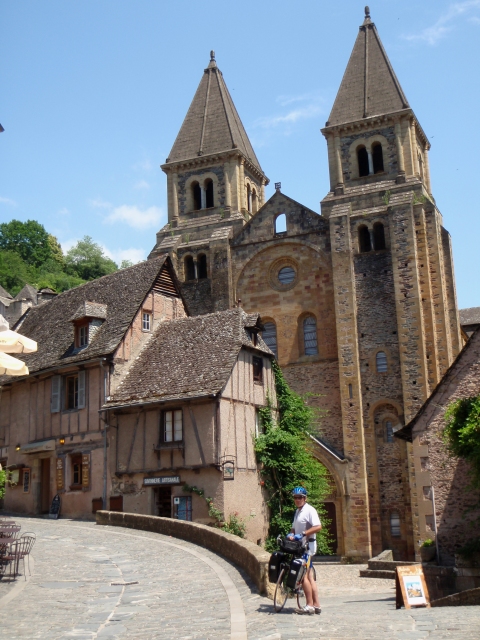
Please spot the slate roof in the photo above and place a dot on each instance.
(51, 327)
(188, 358)
(4, 293)
(212, 124)
(469, 316)
(27, 293)
(369, 86)
(90, 310)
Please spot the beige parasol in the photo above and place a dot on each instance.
(11, 366)
(13, 342)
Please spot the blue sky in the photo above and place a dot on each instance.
(93, 94)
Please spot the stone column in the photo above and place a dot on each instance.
(195, 268)
(427, 172)
(400, 160)
(370, 162)
(175, 197)
(228, 193)
(413, 138)
(241, 185)
(338, 161)
(262, 202)
(203, 197)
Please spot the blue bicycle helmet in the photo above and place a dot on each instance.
(299, 491)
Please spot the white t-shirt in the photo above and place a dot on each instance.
(306, 518)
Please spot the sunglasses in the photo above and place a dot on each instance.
(299, 497)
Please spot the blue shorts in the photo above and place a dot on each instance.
(308, 560)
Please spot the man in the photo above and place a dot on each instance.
(306, 523)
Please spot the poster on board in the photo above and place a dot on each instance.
(411, 588)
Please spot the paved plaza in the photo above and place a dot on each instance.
(93, 582)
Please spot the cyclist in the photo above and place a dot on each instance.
(306, 523)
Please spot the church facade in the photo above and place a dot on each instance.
(357, 302)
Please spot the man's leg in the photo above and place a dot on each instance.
(307, 589)
(315, 601)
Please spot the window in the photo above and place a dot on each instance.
(202, 266)
(196, 196)
(269, 336)
(381, 361)
(257, 369)
(189, 268)
(76, 470)
(80, 471)
(286, 275)
(362, 157)
(249, 198)
(389, 431)
(209, 193)
(146, 321)
(254, 201)
(172, 426)
(378, 236)
(395, 524)
(310, 336)
(82, 336)
(364, 239)
(258, 423)
(377, 157)
(73, 392)
(182, 508)
(281, 223)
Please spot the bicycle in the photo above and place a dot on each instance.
(290, 550)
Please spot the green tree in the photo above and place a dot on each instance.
(285, 451)
(86, 260)
(56, 253)
(125, 264)
(14, 272)
(28, 239)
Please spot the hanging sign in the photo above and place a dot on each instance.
(163, 480)
(60, 464)
(26, 480)
(411, 588)
(55, 508)
(85, 470)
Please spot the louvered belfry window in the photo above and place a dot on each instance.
(269, 335)
(310, 336)
(381, 360)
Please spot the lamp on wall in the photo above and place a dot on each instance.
(227, 463)
(62, 440)
(17, 448)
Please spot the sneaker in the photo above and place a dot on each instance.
(318, 610)
(306, 610)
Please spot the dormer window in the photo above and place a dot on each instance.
(82, 335)
(87, 320)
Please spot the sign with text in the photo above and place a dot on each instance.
(164, 480)
(60, 465)
(411, 588)
(26, 480)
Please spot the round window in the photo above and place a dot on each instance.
(286, 275)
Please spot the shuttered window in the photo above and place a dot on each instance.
(56, 394)
(310, 336)
(286, 275)
(173, 426)
(269, 336)
(75, 391)
(395, 524)
(381, 362)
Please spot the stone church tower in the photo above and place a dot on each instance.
(358, 303)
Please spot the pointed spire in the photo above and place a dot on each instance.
(369, 85)
(212, 124)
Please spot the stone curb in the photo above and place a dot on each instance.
(243, 553)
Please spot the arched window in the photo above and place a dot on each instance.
(364, 239)
(377, 157)
(202, 266)
(378, 236)
(362, 157)
(269, 335)
(196, 196)
(395, 524)
(209, 194)
(249, 198)
(389, 431)
(281, 223)
(286, 275)
(189, 268)
(310, 336)
(381, 361)
(254, 201)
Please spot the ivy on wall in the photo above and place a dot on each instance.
(462, 433)
(284, 450)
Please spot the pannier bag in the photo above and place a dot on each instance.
(295, 573)
(274, 565)
(291, 546)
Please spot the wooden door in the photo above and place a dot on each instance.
(163, 502)
(45, 485)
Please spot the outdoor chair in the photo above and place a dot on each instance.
(28, 538)
(16, 551)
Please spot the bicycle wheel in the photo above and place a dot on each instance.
(281, 592)
(301, 599)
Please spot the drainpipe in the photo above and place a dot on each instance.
(105, 460)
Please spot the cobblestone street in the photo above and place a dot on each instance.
(98, 582)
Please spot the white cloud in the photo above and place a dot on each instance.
(8, 201)
(135, 255)
(286, 100)
(431, 35)
(290, 118)
(68, 244)
(141, 184)
(98, 203)
(135, 217)
(63, 212)
(143, 165)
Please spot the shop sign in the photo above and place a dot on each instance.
(163, 480)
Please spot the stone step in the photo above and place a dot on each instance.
(383, 565)
(377, 573)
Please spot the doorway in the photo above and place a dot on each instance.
(45, 485)
(332, 527)
(163, 502)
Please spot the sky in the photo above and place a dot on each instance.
(93, 94)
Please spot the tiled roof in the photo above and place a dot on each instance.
(469, 316)
(369, 86)
(51, 327)
(212, 124)
(90, 310)
(5, 294)
(27, 293)
(188, 358)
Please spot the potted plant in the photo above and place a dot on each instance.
(427, 550)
